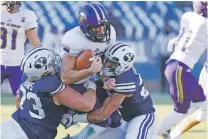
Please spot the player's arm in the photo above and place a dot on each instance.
(109, 106)
(33, 37)
(69, 75)
(31, 23)
(76, 101)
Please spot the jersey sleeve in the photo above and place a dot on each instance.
(126, 83)
(69, 45)
(31, 20)
(50, 85)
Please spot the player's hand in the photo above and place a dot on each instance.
(96, 65)
(109, 84)
(90, 85)
(67, 120)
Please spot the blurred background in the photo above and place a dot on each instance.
(146, 26)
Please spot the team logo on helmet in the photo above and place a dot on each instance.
(40, 62)
(129, 57)
(82, 17)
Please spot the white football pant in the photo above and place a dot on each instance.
(10, 129)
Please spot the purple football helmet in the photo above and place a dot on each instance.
(11, 5)
(200, 7)
(92, 17)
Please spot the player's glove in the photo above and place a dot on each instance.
(67, 119)
(90, 85)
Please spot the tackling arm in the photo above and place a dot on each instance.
(110, 105)
(74, 100)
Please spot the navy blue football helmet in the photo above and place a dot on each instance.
(91, 17)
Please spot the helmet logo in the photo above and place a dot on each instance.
(82, 17)
(40, 62)
(129, 57)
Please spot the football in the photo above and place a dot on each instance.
(84, 59)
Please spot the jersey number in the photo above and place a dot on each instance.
(144, 92)
(4, 38)
(37, 106)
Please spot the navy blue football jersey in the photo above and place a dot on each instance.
(139, 101)
(38, 115)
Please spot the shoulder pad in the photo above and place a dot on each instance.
(50, 85)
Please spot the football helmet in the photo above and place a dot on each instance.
(200, 7)
(39, 62)
(11, 5)
(118, 59)
(92, 18)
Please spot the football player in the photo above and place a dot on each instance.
(200, 115)
(189, 46)
(17, 25)
(44, 98)
(94, 32)
(129, 96)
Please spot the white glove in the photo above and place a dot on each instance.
(90, 85)
(67, 120)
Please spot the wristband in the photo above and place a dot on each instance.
(80, 118)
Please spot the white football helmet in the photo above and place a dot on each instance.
(39, 62)
(118, 59)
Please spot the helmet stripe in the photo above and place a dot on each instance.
(103, 15)
(96, 12)
(119, 48)
(114, 47)
(29, 54)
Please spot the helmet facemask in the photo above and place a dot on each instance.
(109, 66)
(95, 36)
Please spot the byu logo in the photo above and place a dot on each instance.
(40, 62)
(129, 57)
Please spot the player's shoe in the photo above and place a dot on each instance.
(166, 135)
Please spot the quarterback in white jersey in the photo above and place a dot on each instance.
(190, 44)
(95, 33)
(17, 25)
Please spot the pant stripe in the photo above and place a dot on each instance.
(145, 119)
(153, 119)
(179, 84)
(141, 134)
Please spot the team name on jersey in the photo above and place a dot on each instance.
(10, 25)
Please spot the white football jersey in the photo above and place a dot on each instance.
(13, 35)
(75, 41)
(192, 39)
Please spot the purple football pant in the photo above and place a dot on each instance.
(184, 88)
(13, 74)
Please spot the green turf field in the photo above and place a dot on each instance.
(198, 132)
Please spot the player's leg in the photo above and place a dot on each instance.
(11, 130)
(14, 80)
(4, 73)
(113, 133)
(200, 115)
(182, 88)
(90, 131)
(141, 127)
